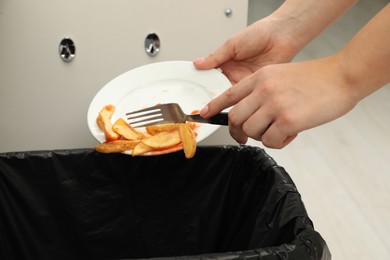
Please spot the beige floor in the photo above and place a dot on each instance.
(342, 169)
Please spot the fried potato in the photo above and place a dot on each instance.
(163, 140)
(188, 140)
(140, 149)
(104, 122)
(117, 146)
(193, 125)
(154, 129)
(126, 131)
(157, 139)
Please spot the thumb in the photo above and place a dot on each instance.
(216, 58)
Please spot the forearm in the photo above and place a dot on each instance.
(303, 20)
(365, 60)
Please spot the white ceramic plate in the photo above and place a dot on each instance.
(162, 82)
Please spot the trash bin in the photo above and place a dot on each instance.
(228, 202)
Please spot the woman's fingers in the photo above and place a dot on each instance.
(276, 136)
(249, 117)
(215, 59)
(228, 98)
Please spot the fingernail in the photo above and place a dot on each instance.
(204, 111)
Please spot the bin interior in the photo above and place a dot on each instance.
(81, 204)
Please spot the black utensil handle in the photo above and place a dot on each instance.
(219, 119)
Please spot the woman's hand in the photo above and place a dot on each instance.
(278, 101)
(274, 39)
(272, 100)
(254, 47)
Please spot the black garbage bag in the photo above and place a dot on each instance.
(228, 202)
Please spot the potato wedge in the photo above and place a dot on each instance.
(140, 149)
(127, 131)
(157, 139)
(116, 146)
(104, 122)
(162, 140)
(154, 129)
(193, 125)
(187, 137)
